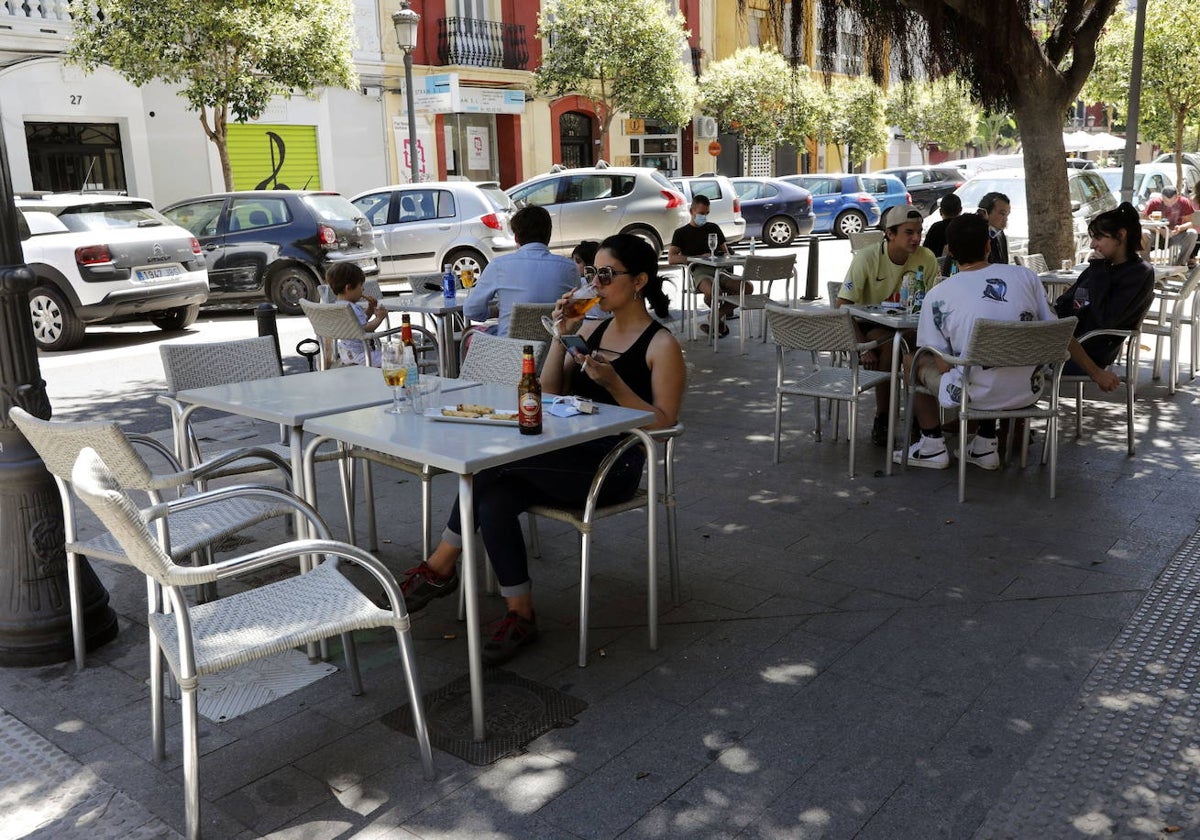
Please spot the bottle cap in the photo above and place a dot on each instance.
(528, 349)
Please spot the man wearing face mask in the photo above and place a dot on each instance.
(691, 240)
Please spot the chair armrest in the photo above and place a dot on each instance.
(243, 453)
(159, 448)
(953, 361)
(610, 460)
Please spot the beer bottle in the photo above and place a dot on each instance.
(406, 337)
(529, 395)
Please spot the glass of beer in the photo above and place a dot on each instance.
(583, 299)
(395, 371)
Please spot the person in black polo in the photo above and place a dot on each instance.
(691, 240)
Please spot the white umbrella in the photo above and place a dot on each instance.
(1102, 141)
(1077, 141)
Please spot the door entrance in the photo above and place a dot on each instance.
(575, 139)
(69, 157)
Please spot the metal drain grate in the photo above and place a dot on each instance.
(516, 711)
(1123, 762)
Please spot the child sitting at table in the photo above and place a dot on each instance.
(346, 280)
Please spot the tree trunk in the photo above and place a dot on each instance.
(1180, 118)
(1039, 115)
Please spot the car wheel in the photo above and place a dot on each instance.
(55, 325)
(779, 231)
(461, 258)
(178, 318)
(648, 235)
(288, 286)
(848, 222)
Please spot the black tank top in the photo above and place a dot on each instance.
(630, 366)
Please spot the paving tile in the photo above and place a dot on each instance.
(275, 799)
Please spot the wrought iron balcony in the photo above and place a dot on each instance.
(474, 42)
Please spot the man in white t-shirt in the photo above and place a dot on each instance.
(980, 289)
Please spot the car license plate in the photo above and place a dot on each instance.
(158, 272)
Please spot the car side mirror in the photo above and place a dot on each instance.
(23, 231)
(1075, 205)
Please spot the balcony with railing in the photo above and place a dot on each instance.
(473, 42)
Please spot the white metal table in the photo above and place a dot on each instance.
(467, 448)
(444, 313)
(728, 262)
(899, 321)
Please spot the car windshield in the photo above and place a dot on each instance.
(662, 181)
(108, 216)
(332, 207)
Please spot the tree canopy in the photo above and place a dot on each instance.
(851, 118)
(1170, 87)
(938, 113)
(228, 57)
(754, 94)
(626, 55)
(1028, 56)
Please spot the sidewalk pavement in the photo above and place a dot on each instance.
(852, 658)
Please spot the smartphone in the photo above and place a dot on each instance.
(574, 342)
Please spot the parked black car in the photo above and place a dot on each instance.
(927, 184)
(275, 244)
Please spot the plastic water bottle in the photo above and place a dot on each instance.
(906, 289)
(449, 286)
(752, 246)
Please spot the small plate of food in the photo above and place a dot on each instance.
(474, 413)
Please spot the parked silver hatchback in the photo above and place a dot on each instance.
(724, 206)
(595, 202)
(421, 227)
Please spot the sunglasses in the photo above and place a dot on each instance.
(604, 275)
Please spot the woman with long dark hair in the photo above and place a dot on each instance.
(633, 361)
(1113, 293)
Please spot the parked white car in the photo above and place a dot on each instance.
(598, 201)
(98, 256)
(1148, 180)
(724, 205)
(1090, 197)
(421, 227)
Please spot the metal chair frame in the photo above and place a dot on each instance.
(1003, 344)
(760, 270)
(205, 639)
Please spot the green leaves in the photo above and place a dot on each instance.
(227, 56)
(629, 55)
(933, 113)
(756, 94)
(852, 116)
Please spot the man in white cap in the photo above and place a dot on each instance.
(875, 275)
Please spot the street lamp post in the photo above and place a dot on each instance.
(35, 616)
(406, 21)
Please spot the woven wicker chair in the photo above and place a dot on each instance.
(525, 321)
(584, 520)
(1005, 344)
(1176, 308)
(182, 534)
(496, 360)
(865, 239)
(763, 271)
(334, 322)
(1034, 262)
(1132, 341)
(248, 626)
(820, 331)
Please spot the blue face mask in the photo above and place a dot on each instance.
(701, 219)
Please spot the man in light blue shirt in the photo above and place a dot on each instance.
(531, 274)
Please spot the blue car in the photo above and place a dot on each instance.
(775, 211)
(842, 203)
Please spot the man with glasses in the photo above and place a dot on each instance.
(531, 274)
(691, 240)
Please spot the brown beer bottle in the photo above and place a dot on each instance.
(529, 396)
(406, 338)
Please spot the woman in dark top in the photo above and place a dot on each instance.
(634, 362)
(1113, 293)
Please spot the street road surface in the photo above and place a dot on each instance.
(117, 373)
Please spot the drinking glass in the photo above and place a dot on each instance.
(395, 371)
(712, 245)
(582, 299)
(1082, 298)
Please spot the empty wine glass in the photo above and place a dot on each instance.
(582, 299)
(712, 245)
(395, 372)
(1082, 297)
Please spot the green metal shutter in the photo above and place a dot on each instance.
(274, 156)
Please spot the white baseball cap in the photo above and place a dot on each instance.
(900, 214)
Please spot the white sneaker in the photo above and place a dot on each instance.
(928, 452)
(982, 452)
